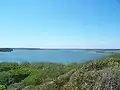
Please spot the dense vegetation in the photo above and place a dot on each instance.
(6, 49)
(103, 74)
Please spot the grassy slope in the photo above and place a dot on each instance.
(92, 75)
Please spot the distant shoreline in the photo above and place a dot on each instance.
(60, 49)
(6, 49)
(89, 50)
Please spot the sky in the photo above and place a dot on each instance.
(60, 23)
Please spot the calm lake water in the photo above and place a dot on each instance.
(62, 56)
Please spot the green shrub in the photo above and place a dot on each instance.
(2, 87)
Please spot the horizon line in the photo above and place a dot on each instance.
(54, 48)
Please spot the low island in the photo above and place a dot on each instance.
(6, 49)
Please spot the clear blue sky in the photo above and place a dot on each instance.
(60, 23)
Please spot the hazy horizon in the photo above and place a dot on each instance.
(91, 24)
(54, 48)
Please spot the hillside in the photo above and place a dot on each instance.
(103, 74)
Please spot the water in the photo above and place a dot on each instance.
(61, 56)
